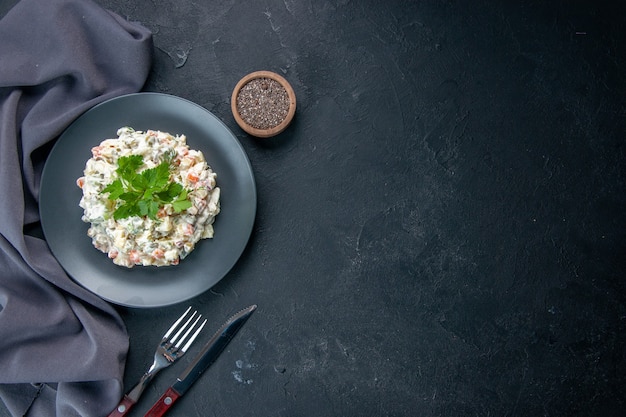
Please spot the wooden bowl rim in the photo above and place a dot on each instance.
(264, 133)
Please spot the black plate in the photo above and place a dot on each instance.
(141, 286)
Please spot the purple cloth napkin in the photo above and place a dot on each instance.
(62, 349)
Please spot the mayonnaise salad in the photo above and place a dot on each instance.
(141, 240)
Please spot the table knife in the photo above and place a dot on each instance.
(201, 362)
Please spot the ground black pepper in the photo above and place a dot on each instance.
(263, 103)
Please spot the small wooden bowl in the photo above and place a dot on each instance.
(263, 133)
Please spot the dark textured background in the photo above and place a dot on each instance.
(441, 230)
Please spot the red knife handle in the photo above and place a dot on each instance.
(123, 407)
(165, 402)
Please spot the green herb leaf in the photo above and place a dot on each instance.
(128, 165)
(137, 182)
(173, 190)
(115, 189)
(180, 205)
(144, 193)
(125, 210)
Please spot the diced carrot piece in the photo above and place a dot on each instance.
(96, 151)
(188, 229)
(134, 257)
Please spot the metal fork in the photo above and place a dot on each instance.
(171, 348)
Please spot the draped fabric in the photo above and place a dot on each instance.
(62, 349)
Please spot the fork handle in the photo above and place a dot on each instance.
(123, 407)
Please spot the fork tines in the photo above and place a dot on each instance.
(175, 342)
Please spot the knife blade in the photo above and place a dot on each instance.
(201, 362)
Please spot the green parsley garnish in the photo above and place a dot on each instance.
(144, 193)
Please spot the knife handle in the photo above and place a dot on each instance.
(123, 407)
(165, 402)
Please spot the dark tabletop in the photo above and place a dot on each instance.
(440, 231)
